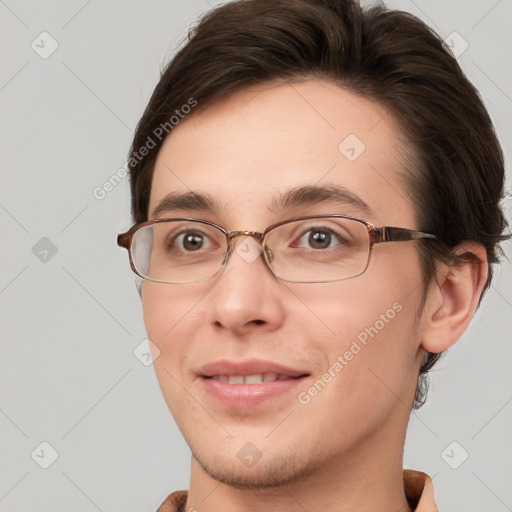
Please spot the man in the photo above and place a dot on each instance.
(315, 190)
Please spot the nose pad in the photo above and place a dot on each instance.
(269, 255)
(227, 255)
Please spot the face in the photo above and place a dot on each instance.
(346, 353)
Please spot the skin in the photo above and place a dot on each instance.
(343, 450)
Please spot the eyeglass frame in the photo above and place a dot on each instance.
(375, 235)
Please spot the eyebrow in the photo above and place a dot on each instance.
(188, 201)
(308, 195)
(312, 194)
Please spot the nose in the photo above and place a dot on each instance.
(246, 296)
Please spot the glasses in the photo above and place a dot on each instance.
(313, 249)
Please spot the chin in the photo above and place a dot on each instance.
(266, 473)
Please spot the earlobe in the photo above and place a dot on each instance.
(453, 298)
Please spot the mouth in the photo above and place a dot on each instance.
(257, 378)
(248, 383)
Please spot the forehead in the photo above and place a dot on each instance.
(249, 148)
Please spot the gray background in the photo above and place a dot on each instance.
(71, 320)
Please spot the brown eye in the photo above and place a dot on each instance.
(192, 241)
(319, 239)
(189, 241)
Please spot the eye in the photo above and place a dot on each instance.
(320, 238)
(190, 241)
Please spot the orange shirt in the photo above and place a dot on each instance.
(418, 490)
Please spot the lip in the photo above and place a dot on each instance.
(249, 367)
(248, 395)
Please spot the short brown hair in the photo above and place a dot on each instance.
(383, 55)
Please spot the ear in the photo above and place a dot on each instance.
(453, 297)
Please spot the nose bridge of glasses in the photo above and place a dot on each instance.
(256, 235)
(253, 234)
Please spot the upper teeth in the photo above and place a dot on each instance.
(251, 379)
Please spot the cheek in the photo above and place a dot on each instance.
(366, 330)
(171, 315)
(370, 330)
(169, 311)
(362, 308)
(365, 369)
